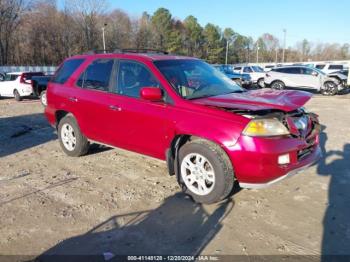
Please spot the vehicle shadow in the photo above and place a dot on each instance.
(336, 233)
(177, 227)
(18, 133)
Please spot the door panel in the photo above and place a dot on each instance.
(138, 125)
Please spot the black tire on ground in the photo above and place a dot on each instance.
(261, 83)
(238, 81)
(82, 144)
(223, 170)
(277, 85)
(17, 95)
(43, 98)
(329, 89)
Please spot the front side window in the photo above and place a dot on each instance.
(132, 77)
(320, 66)
(97, 75)
(257, 69)
(66, 70)
(247, 70)
(194, 79)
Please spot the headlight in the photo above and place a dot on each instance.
(265, 127)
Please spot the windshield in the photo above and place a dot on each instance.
(257, 69)
(196, 79)
(319, 71)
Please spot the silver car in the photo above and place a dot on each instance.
(301, 77)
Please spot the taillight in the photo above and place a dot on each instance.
(21, 80)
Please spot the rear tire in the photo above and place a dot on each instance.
(43, 98)
(329, 89)
(17, 95)
(277, 85)
(72, 141)
(207, 163)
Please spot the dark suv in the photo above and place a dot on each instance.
(210, 131)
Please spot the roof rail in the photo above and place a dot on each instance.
(94, 52)
(127, 50)
(144, 50)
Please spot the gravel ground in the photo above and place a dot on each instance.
(124, 203)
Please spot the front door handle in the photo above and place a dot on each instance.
(73, 99)
(115, 108)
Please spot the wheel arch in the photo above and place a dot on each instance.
(177, 142)
(59, 114)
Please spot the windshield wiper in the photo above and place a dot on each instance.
(199, 97)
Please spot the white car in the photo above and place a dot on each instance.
(256, 73)
(329, 68)
(301, 77)
(17, 84)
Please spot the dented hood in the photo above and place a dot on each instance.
(262, 99)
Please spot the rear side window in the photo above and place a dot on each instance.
(11, 77)
(97, 75)
(66, 70)
(294, 70)
(336, 67)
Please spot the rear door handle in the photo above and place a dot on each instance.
(115, 108)
(73, 99)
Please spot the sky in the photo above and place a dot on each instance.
(315, 20)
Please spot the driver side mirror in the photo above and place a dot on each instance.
(153, 94)
(314, 73)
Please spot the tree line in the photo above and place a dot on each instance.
(40, 33)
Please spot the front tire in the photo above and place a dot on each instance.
(206, 172)
(329, 89)
(17, 95)
(278, 85)
(261, 83)
(72, 141)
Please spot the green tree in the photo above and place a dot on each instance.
(213, 44)
(175, 41)
(162, 25)
(193, 36)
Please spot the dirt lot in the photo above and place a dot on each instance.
(120, 202)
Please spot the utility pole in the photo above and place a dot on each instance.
(226, 51)
(284, 44)
(103, 38)
(276, 59)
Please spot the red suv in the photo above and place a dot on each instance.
(210, 131)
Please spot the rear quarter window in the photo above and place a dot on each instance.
(66, 70)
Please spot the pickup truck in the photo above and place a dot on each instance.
(39, 85)
(256, 73)
(243, 80)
